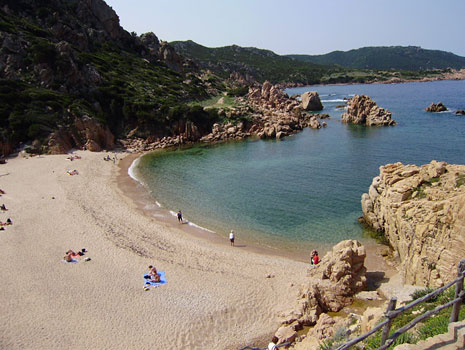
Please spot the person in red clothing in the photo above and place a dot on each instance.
(314, 259)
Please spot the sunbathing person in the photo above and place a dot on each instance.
(154, 275)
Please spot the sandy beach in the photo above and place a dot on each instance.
(216, 296)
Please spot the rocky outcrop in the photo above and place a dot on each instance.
(460, 112)
(85, 133)
(421, 210)
(331, 286)
(361, 109)
(311, 101)
(436, 107)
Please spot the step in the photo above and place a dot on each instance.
(454, 339)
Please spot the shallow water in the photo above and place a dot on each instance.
(304, 191)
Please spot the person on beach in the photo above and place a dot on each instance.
(2, 207)
(231, 237)
(272, 345)
(179, 216)
(153, 273)
(314, 259)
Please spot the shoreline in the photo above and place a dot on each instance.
(216, 296)
(139, 195)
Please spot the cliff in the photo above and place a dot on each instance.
(421, 210)
(63, 61)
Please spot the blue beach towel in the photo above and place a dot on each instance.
(148, 282)
(73, 261)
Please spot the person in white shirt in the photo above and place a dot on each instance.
(231, 237)
(272, 345)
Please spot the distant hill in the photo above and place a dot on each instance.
(390, 58)
(256, 63)
(260, 65)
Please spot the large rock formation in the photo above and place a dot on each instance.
(421, 210)
(331, 286)
(311, 101)
(361, 109)
(85, 133)
(436, 107)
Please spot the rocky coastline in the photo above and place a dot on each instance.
(266, 112)
(421, 212)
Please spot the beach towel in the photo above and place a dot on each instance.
(149, 283)
(73, 261)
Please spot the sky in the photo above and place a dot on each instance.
(300, 26)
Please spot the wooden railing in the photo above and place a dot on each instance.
(392, 312)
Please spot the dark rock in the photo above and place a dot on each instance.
(435, 108)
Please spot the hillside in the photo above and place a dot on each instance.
(253, 63)
(393, 57)
(260, 65)
(64, 61)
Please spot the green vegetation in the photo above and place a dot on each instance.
(460, 180)
(437, 324)
(409, 58)
(432, 326)
(109, 81)
(266, 65)
(420, 189)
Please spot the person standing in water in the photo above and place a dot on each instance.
(231, 237)
(180, 216)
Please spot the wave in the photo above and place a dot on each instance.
(335, 100)
(175, 214)
(131, 172)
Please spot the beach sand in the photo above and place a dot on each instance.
(216, 297)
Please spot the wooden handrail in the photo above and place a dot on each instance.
(392, 313)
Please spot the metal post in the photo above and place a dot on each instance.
(454, 316)
(387, 327)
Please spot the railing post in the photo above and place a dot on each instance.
(387, 327)
(454, 316)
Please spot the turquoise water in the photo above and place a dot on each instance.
(305, 190)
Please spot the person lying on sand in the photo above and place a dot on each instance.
(2, 191)
(8, 222)
(71, 255)
(74, 172)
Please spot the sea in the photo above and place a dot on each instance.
(303, 192)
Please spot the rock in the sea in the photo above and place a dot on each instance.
(460, 111)
(436, 107)
(311, 101)
(421, 210)
(361, 109)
